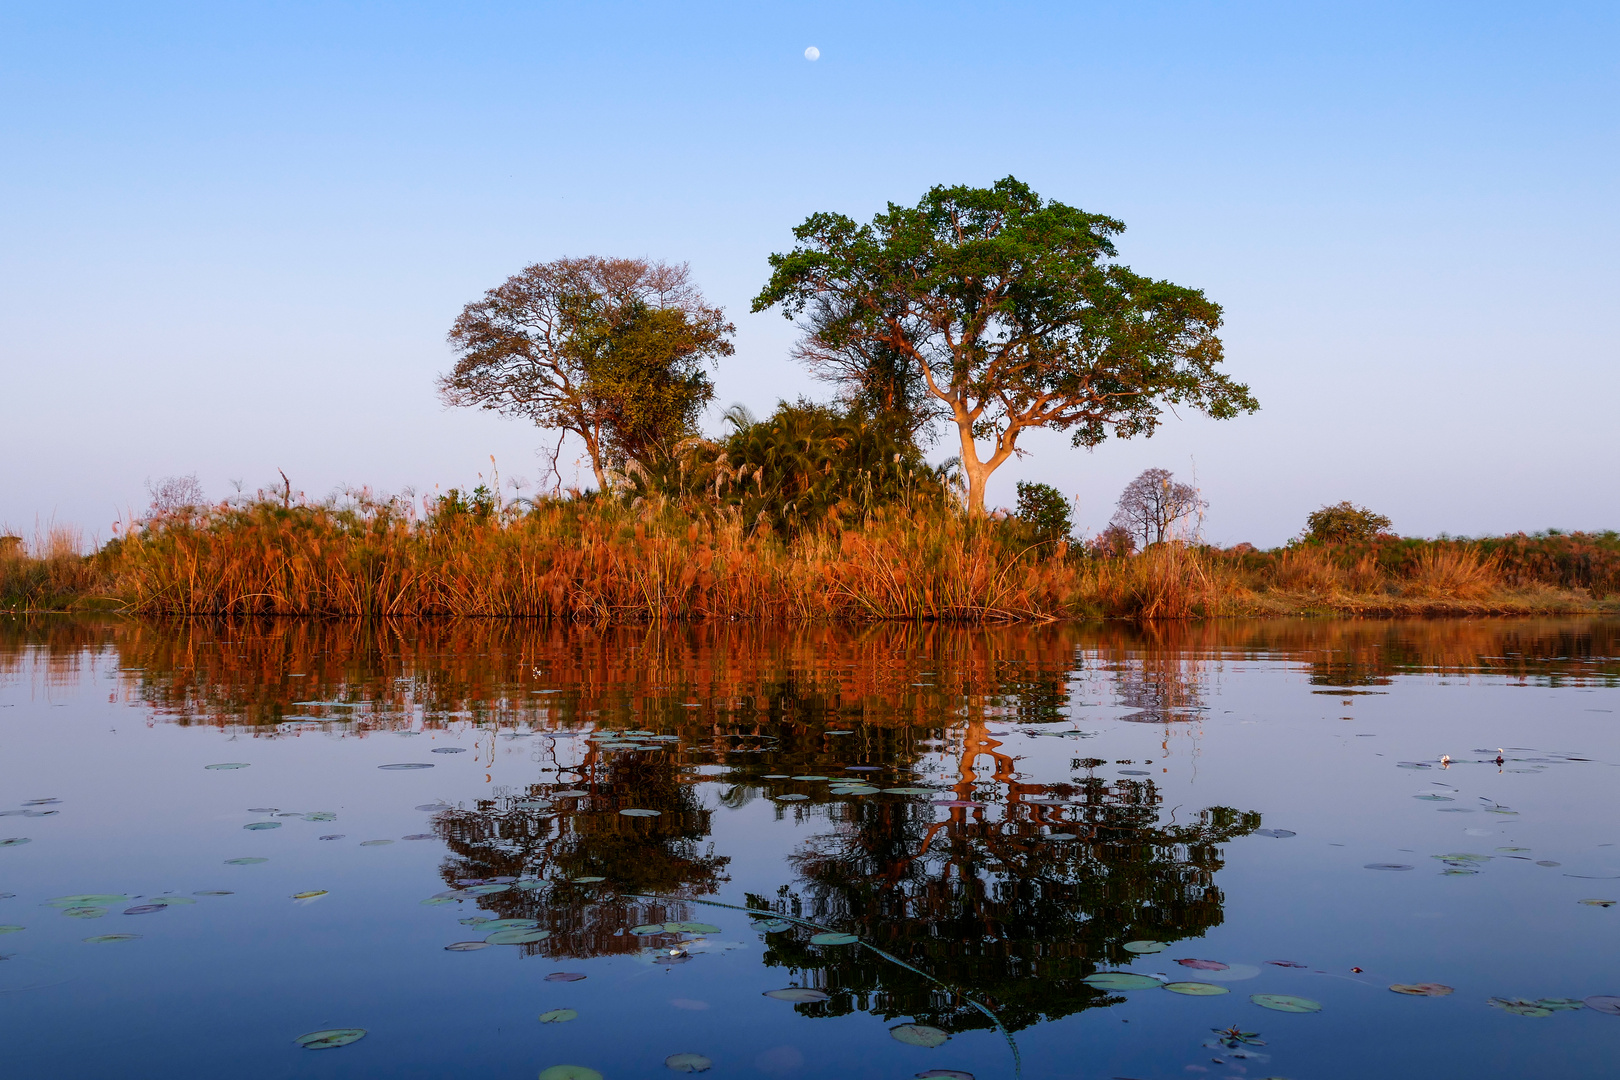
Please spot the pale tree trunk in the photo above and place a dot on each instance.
(977, 471)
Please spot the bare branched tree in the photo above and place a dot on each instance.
(171, 494)
(1153, 505)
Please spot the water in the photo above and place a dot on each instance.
(1224, 790)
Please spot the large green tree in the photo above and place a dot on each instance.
(1012, 312)
(611, 350)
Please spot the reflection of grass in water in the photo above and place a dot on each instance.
(1012, 1044)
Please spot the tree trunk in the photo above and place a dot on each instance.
(976, 471)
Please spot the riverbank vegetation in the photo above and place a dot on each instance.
(651, 557)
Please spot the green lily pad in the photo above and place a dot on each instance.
(635, 812)
(87, 912)
(1519, 1006)
(522, 936)
(918, 1035)
(248, 861)
(691, 928)
(1435, 798)
(1422, 989)
(1287, 1003)
(260, 826)
(799, 995)
(375, 843)
(1561, 1004)
(10, 929)
(558, 1016)
(1144, 947)
(587, 880)
(229, 765)
(1196, 989)
(102, 939)
(466, 946)
(506, 924)
(834, 939)
(773, 926)
(1598, 903)
(84, 899)
(15, 841)
(331, 1038)
(908, 791)
(856, 789)
(489, 889)
(570, 1072)
(312, 894)
(812, 778)
(791, 798)
(688, 1063)
(1121, 980)
(648, 929)
(321, 815)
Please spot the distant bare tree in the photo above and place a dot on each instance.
(171, 494)
(1153, 504)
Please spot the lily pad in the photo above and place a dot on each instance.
(565, 976)
(435, 807)
(518, 936)
(779, 798)
(321, 815)
(1422, 989)
(1121, 980)
(466, 946)
(310, 895)
(799, 995)
(449, 750)
(488, 890)
(918, 1035)
(16, 841)
(11, 929)
(374, 843)
(691, 928)
(1561, 1004)
(637, 812)
(1280, 834)
(834, 939)
(812, 778)
(1287, 1003)
(260, 826)
(1144, 947)
(85, 912)
(1385, 866)
(143, 909)
(333, 836)
(648, 929)
(1434, 798)
(945, 1074)
(688, 1063)
(1598, 903)
(588, 879)
(408, 765)
(1204, 965)
(493, 925)
(251, 860)
(570, 1072)
(83, 899)
(102, 939)
(229, 765)
(558, 1016)
(1608, 1004)
(1196, 989)
(773, 926)
(908, 791)
(571, 794)
(331, 1038)
(1519, 1006)
(214, 892)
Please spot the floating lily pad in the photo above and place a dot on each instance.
(1422, 989)
(1121, 980)
(374, 843)
(648, 929)
(449, 750)
(945, 1074)
(310, 895)
(84, 912)
(321, 815)
(87, 898)
(1287, 1003)
(812, 778)
(1561, 1004)
(331, 1038)
(1608, 1004)
(143, 909)
(779, 798)
(834, 939)
(408, 765)
(1598, 903)
(1196, 989)
(102, 939)
(489, 889)
(435, 807)
(1435, 798)
(688, 1063)
(251, 860)
(11, 929)
(856, 789)
(438, 901)
(42, 802)
(773, 926)
(1386, 866)
(799, 995)
(504, 924)
(1145, 947)
(570, 1072)
(558, 1016)
(519, 936)
(466, 946)
(1519, 1006)
(15, 841)
(214, 892)
(1204, 965)
(260, 826)
(1285, 963)
(918, 1035)
(568, 794)
(1280, 834)
(908, 791)
(565, 976)
(334, 836)
(691, 928)
(637, 812)
(229, 765)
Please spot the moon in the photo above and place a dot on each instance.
(812, 53)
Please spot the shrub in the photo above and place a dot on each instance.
(1044, 508)
(1344, 523)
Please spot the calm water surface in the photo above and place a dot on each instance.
(881, 852)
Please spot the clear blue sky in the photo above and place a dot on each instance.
(232, 236)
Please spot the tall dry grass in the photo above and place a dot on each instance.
(47, 573)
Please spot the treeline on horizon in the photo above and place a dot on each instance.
(988, 310)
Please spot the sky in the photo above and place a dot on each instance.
(233, 236)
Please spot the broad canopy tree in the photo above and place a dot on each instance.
(612, 350)
(1010, 311)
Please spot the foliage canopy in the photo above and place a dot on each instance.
(1344, 523)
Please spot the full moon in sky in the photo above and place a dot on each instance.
(812, 53)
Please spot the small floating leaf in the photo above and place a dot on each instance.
(1280, 834)
(487, 890)
(331, 1038)
(1560, 1004)
(143, 909)
(251, 860)
(908, 791)
(570, 1072)
(1204, 965)
(259, 826)
(648, 929)
(87, 898)
(1519, 1006)
(637, 812)
(1435, 798)
(779, 798)
(1121, 980)
(834, 939)
(799, 995)
(812, 778)
(1604, 1003)
(321, 815)
(86, 912)
(773, 926)
(1385, 866)
(1287, 1003)
(102, 939)
(691, 928)
(688, 1063)
(1145, 947)
(918, 1035)
(565, 976)
(11, 929)
(1196, 989)
(15, 841)
(334, 836)
(558, 1016)
(1598, 903)
(944, 1074)
(312, 894)
(229, 765)
(519, 936)
(408, 765)
(449, 750)
(214, 892)
(466, 946)
(435, 807)
(1422, 989)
